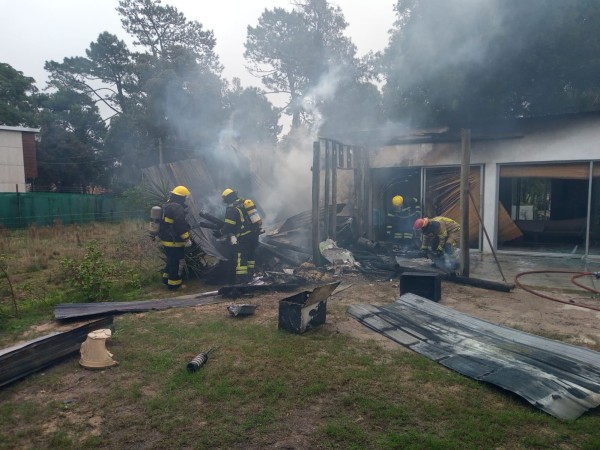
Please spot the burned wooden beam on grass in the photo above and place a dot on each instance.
(21, 360)
(457, 279)
(272, 282)
(69, 311)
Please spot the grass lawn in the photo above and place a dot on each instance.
(262, 388)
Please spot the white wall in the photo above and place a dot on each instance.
(575, 139)
(12, 167)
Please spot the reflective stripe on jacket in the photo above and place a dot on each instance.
(174, 229)
(235, 222)
(445, 229)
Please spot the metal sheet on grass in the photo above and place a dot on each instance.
(558, 378)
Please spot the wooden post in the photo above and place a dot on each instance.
(465, 135)
(326, 192)
(362, 193)
(160, 151)
(334, 163)
(316, 175)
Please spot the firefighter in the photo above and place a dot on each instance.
(400, 219)
(174, 235)
(237, 230)
(441, 240)
(250, 241)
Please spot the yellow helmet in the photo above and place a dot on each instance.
(248, 204)
(181, 191)
(397, 200)
(229, 196)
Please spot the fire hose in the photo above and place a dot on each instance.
(577, 275)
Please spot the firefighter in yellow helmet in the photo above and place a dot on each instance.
(400, 219)
(441, 240)
(174, 235)
(237, 230)
(250, 241)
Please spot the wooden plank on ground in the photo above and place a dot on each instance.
(68, 311)
(21, 360)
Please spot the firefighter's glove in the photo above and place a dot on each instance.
(188, 243)
(217, 234)
(233, 240)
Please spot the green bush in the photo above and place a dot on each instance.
(94, 276)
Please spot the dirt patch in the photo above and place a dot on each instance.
(517, 309)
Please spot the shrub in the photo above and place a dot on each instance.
(94, 277)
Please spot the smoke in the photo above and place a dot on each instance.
(323, 91)
(290, 189)
(459, 42)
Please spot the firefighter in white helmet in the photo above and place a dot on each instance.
(174, 235)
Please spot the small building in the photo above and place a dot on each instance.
(18, 164)
(534, 182)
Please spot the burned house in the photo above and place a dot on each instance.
(534, 182)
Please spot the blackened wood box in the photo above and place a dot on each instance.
(428, 285)
(305, 310)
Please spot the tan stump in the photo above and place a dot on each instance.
(93, 351)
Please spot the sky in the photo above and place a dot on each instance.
(35, 31)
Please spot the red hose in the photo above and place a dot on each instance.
(577, 275)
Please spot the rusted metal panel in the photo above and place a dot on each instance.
(560, 379)
(29, 155)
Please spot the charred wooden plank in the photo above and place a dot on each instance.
(21, 360)
(458, 279)
(66, 311)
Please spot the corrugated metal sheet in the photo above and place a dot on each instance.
(560, 379)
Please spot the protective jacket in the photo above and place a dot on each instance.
(174, 229)
(441, 232)
(400, 220)
(236, 222)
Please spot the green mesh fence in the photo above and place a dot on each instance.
(43, 208)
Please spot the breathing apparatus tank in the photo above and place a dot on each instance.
(252, 212)
(155, 219)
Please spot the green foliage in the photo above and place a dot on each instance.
(252, 117)
(4, 275)
(149, 193)
(17, 97)
(163, 29)
(71, 152)
(293, 52)
(94, 277)
(451, 64)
